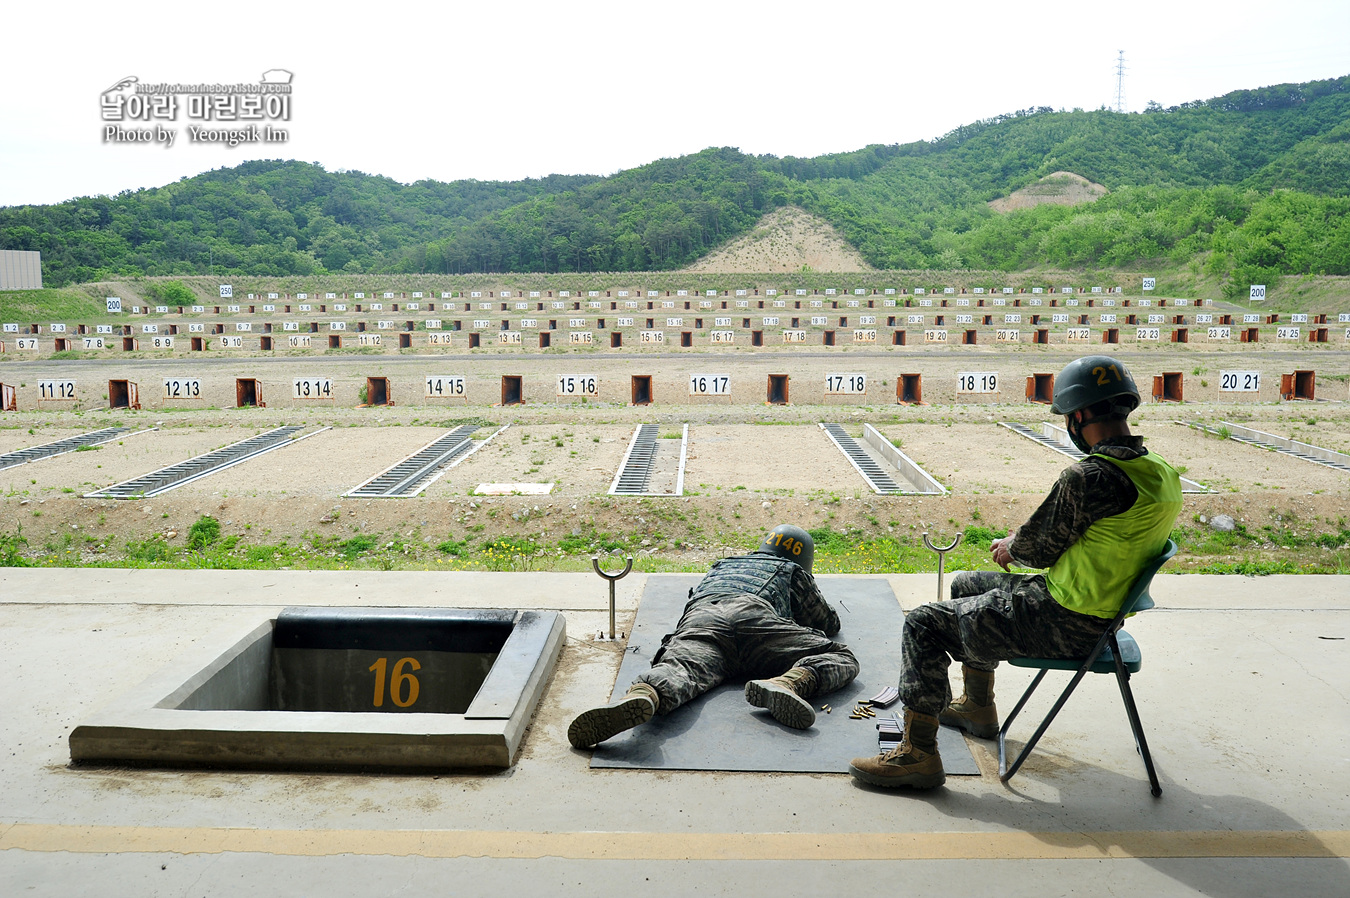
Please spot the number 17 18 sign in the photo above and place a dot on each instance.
(846, 384)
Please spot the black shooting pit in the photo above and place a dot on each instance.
(339, 688)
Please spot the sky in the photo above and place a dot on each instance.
(509, 89)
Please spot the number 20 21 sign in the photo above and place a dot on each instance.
(1239, 381)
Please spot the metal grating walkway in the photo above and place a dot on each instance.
(636, 471)
(1062, 445)
(415, 473)
(60, 447)
(1306, 451)
(878, 479)
(183, 472)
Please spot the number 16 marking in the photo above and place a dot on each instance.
(396, 682)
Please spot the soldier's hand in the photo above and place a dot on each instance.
(999, 549)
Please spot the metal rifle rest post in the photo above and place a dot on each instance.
(942, 556)
(595, 563)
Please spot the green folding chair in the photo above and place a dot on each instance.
(1116, 652)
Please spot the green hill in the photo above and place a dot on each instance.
(1254, 184)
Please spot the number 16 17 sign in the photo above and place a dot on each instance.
(709, 385)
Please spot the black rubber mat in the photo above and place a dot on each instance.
(720, 731)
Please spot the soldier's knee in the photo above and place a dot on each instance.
(923, 618)
(965, 583)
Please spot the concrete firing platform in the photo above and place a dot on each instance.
(1243, 695)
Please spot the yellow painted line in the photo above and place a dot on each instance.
(678, 846)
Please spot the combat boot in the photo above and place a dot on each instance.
(915, 762)
(974, 711)
(786, 697)
(598, 724)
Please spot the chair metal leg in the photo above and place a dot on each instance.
(1140, 743)
(1007, 722)
(1006, 774)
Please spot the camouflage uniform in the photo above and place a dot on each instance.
(752, 616)
(993, 616)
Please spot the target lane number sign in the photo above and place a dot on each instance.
(1257, 293)
(312, 388)
(977, 382)
(1239, 381)
(439, 387)
(846, 384)
(578, 385)
(56, 390)
(709, 385)
(182, 388)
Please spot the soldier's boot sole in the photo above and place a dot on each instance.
(598, 724)
(979, 721)
(786, 706)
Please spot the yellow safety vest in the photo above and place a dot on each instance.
(1094, 575)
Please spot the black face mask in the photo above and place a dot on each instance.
(1075, 430)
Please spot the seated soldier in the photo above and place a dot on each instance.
(756, 615)
(1104, 520)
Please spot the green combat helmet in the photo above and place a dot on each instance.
(1089, 381)
(792, 543)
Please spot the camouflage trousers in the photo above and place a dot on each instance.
(992, 616)
(726, 637)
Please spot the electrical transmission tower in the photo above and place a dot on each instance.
(1120, 82)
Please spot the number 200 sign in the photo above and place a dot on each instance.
(709, 384)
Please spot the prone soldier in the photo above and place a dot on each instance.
(758, 615)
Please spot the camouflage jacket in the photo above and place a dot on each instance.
(791, 591)
(1087, 491)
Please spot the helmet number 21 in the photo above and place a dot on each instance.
(1101, 370)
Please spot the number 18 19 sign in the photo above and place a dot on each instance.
(977, 382)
